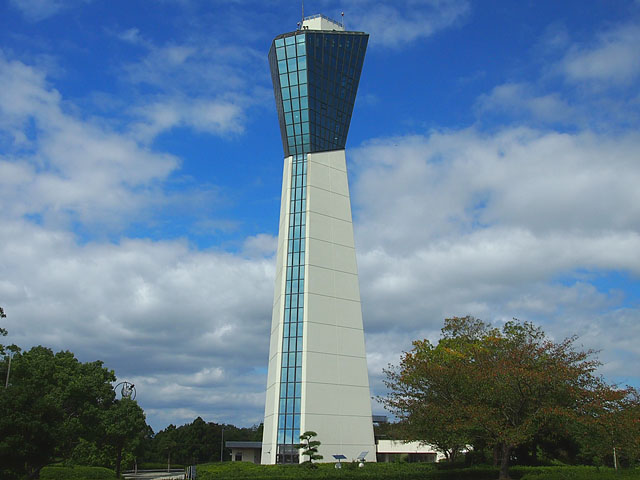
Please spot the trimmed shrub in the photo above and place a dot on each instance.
(76, 473)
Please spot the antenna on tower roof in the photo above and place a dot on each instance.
(342, 15)
(302, 13)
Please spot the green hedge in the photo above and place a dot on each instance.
(582, 473)
(76, 473)
(404, 471)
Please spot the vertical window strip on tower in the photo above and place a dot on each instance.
(292, 70)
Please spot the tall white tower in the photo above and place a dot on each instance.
(318, 377)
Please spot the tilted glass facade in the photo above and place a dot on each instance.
(315, 77)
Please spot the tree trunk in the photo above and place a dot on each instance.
(118, 461)
(496, 455)
(504, 462)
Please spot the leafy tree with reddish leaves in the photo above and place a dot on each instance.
(501, 386)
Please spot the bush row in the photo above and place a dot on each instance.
(399, 471)
(76, 473)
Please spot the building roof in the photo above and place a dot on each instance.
(243, 444)
(398, 446)
(321, 22)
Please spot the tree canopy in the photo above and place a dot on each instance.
(496, 386)
(55, 404)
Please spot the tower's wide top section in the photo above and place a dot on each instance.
(315, 73)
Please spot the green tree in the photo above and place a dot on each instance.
(125, 429)
(3, 331)
(611, 432)
(497, 385)
(309, 446)
(52, 405)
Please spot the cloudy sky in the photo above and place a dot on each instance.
(494, 160)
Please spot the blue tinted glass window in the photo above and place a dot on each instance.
(291, 64)
(301, 49)
(290, 40)
(293, 78)
(285, 93)
(284, 80)
(282, 66)
(280, 42)
(291, 51)
(300, 38)
(302, 63)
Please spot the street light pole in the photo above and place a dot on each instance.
(6, 383)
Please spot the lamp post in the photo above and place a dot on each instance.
(6, 383)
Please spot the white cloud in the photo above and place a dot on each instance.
(203, 84)
(36, 10)
(260, 245)
(462, 222)
(521, 101)
(218, 117)
(154, 311)
(65, 168)
(611, 60)
(394, 24)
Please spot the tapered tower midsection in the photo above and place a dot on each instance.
(317, 376)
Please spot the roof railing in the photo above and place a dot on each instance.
(319, 15)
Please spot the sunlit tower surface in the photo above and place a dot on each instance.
(317, 376)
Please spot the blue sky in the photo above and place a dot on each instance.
(494, 162)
